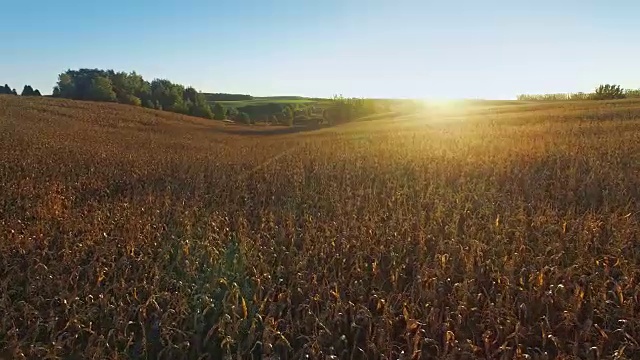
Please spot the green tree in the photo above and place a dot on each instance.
(101, 89)
(66, 86)
(609, 92)
(36, 92)
(218, 111)
(27, 91)
(199, 106)
(128, 86)
(190, 94)
(5, 90)
(180, 107)
(231, 113)
(169, 95)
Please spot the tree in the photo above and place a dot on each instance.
(129, 86)
(231, 113)
(66, 86)
(101, 89)
(14, 92)
(169, 95)
(180, 107)
(609, 92)
(199, 106)
(27, 91)
(190, 94)
(6, 90)
(218, 111)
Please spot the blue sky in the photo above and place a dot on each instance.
(369, 48)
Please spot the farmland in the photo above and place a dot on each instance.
(488, 231)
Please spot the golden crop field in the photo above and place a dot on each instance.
(504, 232)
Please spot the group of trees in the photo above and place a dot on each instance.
(27, 91)
(344, 109)
(275, 113)
(132, 89)
(602, 92)
(6, 90)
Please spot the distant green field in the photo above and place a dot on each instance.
(262, 101)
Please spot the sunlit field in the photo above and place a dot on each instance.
(481, 231)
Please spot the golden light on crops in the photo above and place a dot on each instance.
(134, 233)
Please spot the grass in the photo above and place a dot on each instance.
(472, 233)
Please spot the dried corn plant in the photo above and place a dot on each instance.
(508, 233)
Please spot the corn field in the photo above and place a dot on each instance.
(483, 233)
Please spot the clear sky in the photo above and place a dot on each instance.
(369, 48)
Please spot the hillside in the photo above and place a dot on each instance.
(485, 231)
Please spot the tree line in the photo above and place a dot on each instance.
(336, 110)
(26, 91)
(344, 109)
(132, 89)
(602, 92)
(227, 97)
(161, 94)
